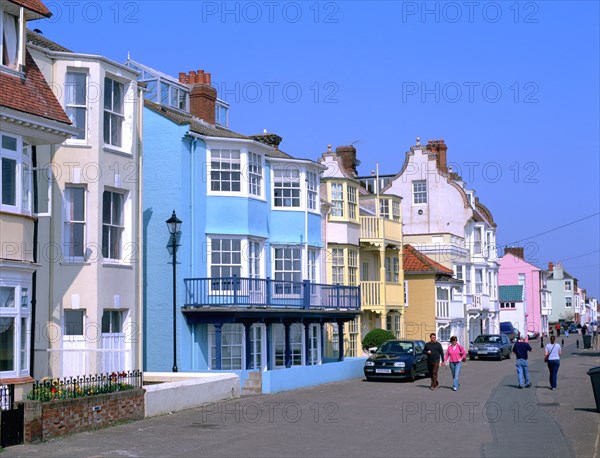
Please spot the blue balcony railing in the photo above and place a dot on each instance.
(258, 292)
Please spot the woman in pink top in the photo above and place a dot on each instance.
(456, 354)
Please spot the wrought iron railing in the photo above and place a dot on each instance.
(7, 397)
(86, 385)
(260, 292)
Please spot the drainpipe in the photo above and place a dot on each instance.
(34, 276)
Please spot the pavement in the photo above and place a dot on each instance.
(487, 417)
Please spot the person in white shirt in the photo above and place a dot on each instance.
(552, 358)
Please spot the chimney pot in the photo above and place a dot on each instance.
(182, 78)
(550, 266)
(207, 78)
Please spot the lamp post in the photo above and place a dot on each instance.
(174, 225)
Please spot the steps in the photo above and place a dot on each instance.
(253, 384)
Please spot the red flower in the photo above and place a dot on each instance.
(54, 390)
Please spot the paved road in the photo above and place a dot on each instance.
(489, 416)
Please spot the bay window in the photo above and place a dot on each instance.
(14, 329)
(286, 187)
(15, 174)
(114, 98)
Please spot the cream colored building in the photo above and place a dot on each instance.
(89, 280)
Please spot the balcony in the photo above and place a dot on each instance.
(372, 295)
(449, 310)
(373, 229)
(236, 292)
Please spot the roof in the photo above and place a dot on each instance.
(33, 5)
(416, 262)
(510, 293)
(196, 125)
(31, 94)
(41, 41)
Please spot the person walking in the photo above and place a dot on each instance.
(521, 349)
(552, 358)
(435, 354)
(456, 354)
(557, 327)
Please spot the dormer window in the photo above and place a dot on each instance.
(11, 31)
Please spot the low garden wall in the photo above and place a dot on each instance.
(60, 417)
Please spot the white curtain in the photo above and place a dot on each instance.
(10, 40)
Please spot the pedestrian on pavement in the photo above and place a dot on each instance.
(456, 354)
(552, 358)
(584, 329)
(435, 354)
(557, 327)
(521, 349)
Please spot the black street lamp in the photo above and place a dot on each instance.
(174, 225)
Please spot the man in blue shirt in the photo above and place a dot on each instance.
(521, 349)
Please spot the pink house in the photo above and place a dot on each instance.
(514, 270)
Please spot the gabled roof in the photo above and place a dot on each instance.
(510, 293)
(416, 262)
(41, 41)
(31, 94)
(33, 5)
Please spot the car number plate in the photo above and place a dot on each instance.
(383, 371)
(482, 352)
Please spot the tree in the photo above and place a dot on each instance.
(376, 337)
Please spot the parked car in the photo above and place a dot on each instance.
(490, 346)
(533, 334)
(573, 328)
(507, 328)
(395, 359)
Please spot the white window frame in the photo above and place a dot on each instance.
(120, 228)
(255, 174)
(225, 162)
(396, 210)
(19, 36)
(568, 285)
(419, 192)
(20, 314)
(283, 274)
(286, 182)
(313, 265)
(337, 266)
(312, 191)
(479, 281)
(229, 331)
(76, 106)
(337, 200)
(23, 183)
(384, 208)
(352, 194)
(113, 115)
(568, 302)
(235, 267)
(352, 267)
(67, 221)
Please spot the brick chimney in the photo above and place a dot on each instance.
(203, 96)
(550, 266)
(439, 148)
(347, 154)
(518, 252)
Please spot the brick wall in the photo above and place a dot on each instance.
(45, 420)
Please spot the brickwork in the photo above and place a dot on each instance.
(45, 420)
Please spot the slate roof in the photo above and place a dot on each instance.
(196, 125)
(510, 293)
(31, 94)
(41, 41)
(416, 262)
(33, 5)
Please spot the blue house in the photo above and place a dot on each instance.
(249, 291)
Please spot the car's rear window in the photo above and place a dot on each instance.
(488, 339)
(395, 347)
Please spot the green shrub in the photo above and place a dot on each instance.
(376, 337)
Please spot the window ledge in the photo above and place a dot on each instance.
(75, 263)
(118, 265)
(12, 71)
(115, 150)
(68, 144)
(17, 380)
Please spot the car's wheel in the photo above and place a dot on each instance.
(368, 379)
(500, 356)
(508, 356)
(471, 357)
(413, 374)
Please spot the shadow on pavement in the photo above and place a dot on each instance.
(587, 353)
(581, 409)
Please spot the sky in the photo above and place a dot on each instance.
(512, 87)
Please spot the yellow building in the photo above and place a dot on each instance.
(363, 242)
(432, 300)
